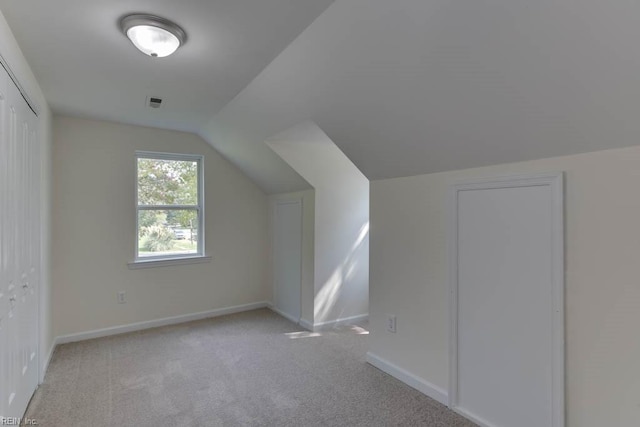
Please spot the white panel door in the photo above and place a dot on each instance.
(507, 331)
(19, 249)
(287, 242)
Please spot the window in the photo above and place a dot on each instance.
(169, 205)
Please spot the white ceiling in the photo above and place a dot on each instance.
(87, 67)
(409, 87)
(403, 87)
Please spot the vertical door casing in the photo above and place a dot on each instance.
(4, 245)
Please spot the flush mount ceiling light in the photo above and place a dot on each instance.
(152, 35)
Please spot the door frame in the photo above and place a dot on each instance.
(555, 181)
(292, 201)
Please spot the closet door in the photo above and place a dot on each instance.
(288, 258)
(19, 249)
(508, 350)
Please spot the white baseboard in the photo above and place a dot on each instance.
(306, 324)
(470, 416)
(324, 326)
(287, 316)
(320, 326)
(408, 378)
(132, 327)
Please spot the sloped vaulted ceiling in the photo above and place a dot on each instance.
(403, 87)
(87, 67)
(411, 86)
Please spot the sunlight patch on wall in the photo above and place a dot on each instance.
(328, 295)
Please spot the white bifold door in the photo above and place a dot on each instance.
(19, 249)
(507, 353)
(287, 250)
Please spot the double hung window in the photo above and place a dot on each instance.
(170, 206)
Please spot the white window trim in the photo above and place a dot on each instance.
(168, 261)
(172, 259)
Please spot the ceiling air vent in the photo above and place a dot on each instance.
(154, 102)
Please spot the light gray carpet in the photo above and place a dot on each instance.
(247, 369)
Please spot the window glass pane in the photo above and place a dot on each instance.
(167, 232)
(167, 182)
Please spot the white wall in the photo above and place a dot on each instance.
(308, 221)
(341, 243)
(12, 54)
(409, 278)
(94, 231)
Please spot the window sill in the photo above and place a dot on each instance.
(168, 261)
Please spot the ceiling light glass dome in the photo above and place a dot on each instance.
(152, 35)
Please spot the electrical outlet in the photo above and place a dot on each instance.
(121, 298)
(391, 323)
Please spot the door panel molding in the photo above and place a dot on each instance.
(555, 182)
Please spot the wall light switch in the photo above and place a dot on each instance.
(121, 298)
